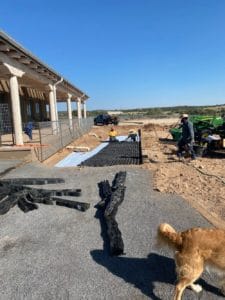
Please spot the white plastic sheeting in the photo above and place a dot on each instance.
(76, 158)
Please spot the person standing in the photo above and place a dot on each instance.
(28, 130)
(112, 135)
(187, 139)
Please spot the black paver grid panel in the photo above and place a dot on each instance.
(115, 153)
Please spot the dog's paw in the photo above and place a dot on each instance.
(196, 287)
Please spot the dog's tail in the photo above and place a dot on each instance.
(167, 234)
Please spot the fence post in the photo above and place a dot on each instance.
(40, 140)
(60, 132)
(140, 148)
(73, 129)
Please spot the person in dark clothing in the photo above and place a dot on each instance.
(28, 129)
(132, 135)
(185, 144)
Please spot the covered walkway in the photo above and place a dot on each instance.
(30, 91)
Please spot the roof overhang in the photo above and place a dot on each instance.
(36, 73)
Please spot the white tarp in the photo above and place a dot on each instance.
(76, 158)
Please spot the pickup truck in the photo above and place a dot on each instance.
(105, 120)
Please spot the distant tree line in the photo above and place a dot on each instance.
(176, 110)
(215, 110)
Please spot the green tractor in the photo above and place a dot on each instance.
(209, 133)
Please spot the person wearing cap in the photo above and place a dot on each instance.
(132, 134)
(187, 139)
(112, 135)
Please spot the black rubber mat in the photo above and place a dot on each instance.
(116, 153)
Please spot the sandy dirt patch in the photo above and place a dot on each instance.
(167, 121)
(200, 182)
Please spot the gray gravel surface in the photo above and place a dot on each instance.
(59, 253)
(5, 164)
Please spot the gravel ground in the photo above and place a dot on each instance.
(6, 164)
(59, 253)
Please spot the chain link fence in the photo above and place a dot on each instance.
(5, 121)
(54, 136)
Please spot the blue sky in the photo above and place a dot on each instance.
(127, 53)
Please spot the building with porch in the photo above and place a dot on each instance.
(30, 91)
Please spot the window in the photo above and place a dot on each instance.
(29, 109)
(37, 108)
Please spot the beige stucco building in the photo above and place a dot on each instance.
(30, 90)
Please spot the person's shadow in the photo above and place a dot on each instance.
(144, 272)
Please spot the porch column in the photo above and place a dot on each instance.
(52, 109)
(16, 112)
(69, 110)
(55, 97)
(13, 73)
(79, 115)
(85, 110)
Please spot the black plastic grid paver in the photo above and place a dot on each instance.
(115, 153)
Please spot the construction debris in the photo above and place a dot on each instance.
(78, 148)
(16, 192)
(112, 197)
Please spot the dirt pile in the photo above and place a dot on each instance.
(201, 182)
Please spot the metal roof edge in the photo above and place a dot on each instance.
(26, 52)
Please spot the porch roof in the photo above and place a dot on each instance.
(21, 57)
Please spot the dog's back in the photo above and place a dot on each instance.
(194, 248)
(210, 242)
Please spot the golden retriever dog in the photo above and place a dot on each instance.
(195, 249)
